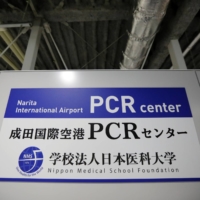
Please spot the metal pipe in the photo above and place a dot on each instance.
(146, 20)
(58, 51)
(176, 55)
(33, 45)
(22, 32)
(48, 30)
(15, 25)
(15, 44)
(34, 10)
(7, 41)
(147, 53)
(9, 62)
(190, 46)
(14, 50)
(50, 49)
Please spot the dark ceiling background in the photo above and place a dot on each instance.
(94, 27)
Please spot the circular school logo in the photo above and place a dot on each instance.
(30, 160)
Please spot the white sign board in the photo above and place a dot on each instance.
(103, 133)
(198, 75)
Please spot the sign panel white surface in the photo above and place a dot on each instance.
(198, 75)
(99, 134)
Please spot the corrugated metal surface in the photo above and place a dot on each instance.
(94, 37)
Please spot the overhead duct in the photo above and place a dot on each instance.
(146, 20)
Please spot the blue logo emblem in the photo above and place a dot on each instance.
(30, 160)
